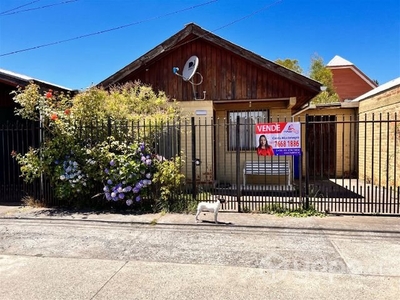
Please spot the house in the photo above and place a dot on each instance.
(9, 82)
(13, 136)
(349, 81)
(230, 83)
(332, 138)
(379, 134)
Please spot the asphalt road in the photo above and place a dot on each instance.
(171, 257)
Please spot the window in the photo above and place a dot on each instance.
(247, 121)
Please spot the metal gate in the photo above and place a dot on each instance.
(347, 166)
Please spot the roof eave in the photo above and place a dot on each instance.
(172, 42)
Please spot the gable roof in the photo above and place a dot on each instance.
(382, 88)
(192, 29)
(340, 63)
(14, 79)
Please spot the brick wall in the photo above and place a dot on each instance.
(379, 138)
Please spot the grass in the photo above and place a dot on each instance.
(276, 209)
(32, 202)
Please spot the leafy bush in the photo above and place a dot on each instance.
(169, 179)
(80, 153)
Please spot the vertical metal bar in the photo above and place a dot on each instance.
(199, 170)
(186, 154)
(379, 196)
(373, 201)
(395, 151)
(193, 126)
(387, 194)
(238, 162)
(366, 196)
(342, 204)
(2, 170)
(356, 158)
(307, 167)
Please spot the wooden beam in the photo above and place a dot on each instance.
(292, 102)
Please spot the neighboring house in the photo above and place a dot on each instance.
(348, 80)
(379, 134)
(333, 140)
(9, 82)
(16, 138)
(230, 82)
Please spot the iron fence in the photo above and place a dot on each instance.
(347, 164)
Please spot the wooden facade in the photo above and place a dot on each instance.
(233, 79)
(230, 73)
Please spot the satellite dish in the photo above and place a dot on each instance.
(190, 68)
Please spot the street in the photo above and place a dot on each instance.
(248, 256)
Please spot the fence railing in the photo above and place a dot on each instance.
(347, 165)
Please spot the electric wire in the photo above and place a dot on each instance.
(36, 8)
(108, 30)
(228, 24)
(7, 11)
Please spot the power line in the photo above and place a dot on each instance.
(36, 8)
(230, 24)
(108, 30)
(5, 12)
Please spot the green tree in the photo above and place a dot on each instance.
(319, 72)
(292, 64)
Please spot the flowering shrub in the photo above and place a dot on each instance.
(129, 173)
(78, 154)
(71, 180)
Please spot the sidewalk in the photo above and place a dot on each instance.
(369, 248)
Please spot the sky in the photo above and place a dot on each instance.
(79, 43)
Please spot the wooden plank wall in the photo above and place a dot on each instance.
(226, 76)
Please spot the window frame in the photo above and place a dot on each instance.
(247, 135)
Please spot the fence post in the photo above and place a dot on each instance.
(238, 187)
(307, 203)
(193, 158)
(109, 126)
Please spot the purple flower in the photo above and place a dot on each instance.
(109, 181)
(106, 171)
(108, 196)
(127, 189)
(129, 202)
(148, 161)
(138, 198)
(105, 189)
(121, 196)
(112, 163)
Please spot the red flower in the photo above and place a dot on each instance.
(49, 94)
(54, 117)
(67, 111)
